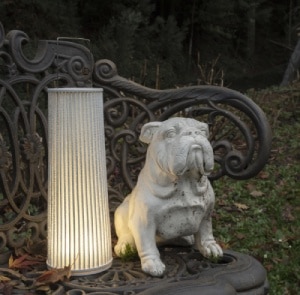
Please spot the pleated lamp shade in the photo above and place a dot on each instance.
(79, 233)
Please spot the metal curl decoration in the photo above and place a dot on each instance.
(126, 115)
(131, 137)
(127, 136)
(4, 154)
(113, 115)
(105, 70)
(235, 162)
(44, 57)
(43, 228)
(3, 240)
(110, 164)
(109, 131)
(79, 70)
(115, 199)
(117, 110)
(14, 242)
(34, 230)
(124, 274)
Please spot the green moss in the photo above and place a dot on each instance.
(129, 254)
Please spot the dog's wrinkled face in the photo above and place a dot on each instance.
(179, 145)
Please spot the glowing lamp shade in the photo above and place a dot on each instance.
(78, 215)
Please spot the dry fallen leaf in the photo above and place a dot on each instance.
(287, 213)
(256, 193)
(4, 279)
(23, 262)
(221, 202)
(54, 275)
(224, 245)
(44, 288)
(241, 206)
(36, 249)
(240, 236)
(251, 187)
(269, 267)
(263, 175)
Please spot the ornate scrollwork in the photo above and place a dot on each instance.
(5, 156)
(105, 70)
(63, 56)
(186, 273)
(32, 147)
(239, 131)
(23, 126)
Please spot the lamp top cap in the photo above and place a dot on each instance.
(75, 89)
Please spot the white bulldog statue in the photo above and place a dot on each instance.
(173, 197)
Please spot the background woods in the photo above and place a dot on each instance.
(164, 43)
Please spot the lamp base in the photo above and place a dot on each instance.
(87, 271)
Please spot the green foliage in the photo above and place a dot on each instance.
(218, 19)
(129, 253)
(40, 19)
(120, 41)
(117, 40)
(22, 235)
(260, 216)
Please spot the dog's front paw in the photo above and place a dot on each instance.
(153, 266)
(210, 248)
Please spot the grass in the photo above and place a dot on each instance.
(260, 216)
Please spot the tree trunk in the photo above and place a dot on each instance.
(292, 67)
(191, 36)
(251, 29)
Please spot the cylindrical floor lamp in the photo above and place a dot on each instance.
(78, 215)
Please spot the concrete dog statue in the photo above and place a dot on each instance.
(173, 196)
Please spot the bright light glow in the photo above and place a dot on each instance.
(78, 215)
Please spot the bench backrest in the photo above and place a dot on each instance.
(240, 133)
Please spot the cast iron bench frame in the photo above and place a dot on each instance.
(240, 135)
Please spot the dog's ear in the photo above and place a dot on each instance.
(148, 130)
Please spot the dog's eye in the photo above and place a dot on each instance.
(204, 132)
(170, 133)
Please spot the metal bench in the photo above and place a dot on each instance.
(240, 136)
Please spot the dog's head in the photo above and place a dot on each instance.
(179, 145)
